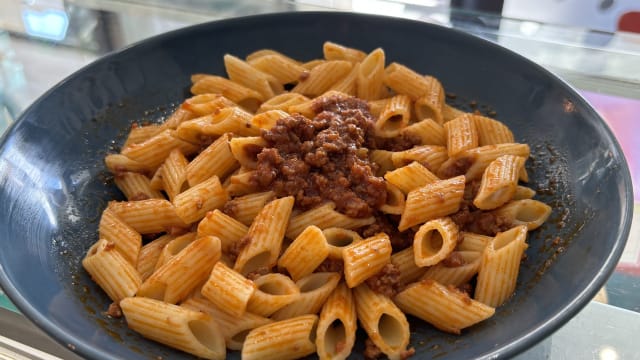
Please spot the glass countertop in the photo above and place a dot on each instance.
(43, 41)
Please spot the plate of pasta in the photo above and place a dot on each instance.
(309, 184)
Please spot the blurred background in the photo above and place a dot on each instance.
(62, 35)
(592, 44)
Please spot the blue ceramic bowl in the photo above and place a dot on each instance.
(53, 184)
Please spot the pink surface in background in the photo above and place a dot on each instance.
(623, 117)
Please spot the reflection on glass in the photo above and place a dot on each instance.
(49, 24)
(608, 353)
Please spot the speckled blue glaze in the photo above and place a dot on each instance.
(52, 177)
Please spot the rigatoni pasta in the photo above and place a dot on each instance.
(228, 290)
(365, 258)
(174, 280)
(305, 253)
(109, 269)
(125, 239)
(277, 208)
(286, 339)
(500, 266)
(192, 331)
(383, 321)
(233, 328)
(337, 325)
(434, 241)
(448, 309)
(265, 237)
(273, 292)
(314, 291)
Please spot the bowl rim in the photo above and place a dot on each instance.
(545, 329)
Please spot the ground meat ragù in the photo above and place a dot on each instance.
(386, 281)
(323, 159)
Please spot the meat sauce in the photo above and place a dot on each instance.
(323, 159)
(471, 219)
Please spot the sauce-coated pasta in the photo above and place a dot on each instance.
(358, 195)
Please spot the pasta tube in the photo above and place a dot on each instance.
(149, 255)
(153, 151)
(337, 325)
(205, 104)
(431, 201)
(365, 258)
(446, 308)
(314, 291)
(187, 330)
(126, 240)
(305, 253)
(395, 200)
(215, 160)
(430, 156)
(117, 163)
(477, 159)
(429, 131)
(499, 182)
(348, 85)
(406, 81)
(174, 173)
(383, 321)
(370, 76)
(410, 177)
(140, 134)
(228, 120)
(338, 239)
(193, 204)
(136, 186)
(434, 241)
(456, 274)
(281, 340)
(274, 291)
(148, 216)
(383, 159)
(246, 149)
(532, 213)
(394, 117)
(321, 77)
(461, 135)
(241, 95)
(173, 248)
(224, 227)
(280, 102)
(429, 105)
(491, 131)
(405, 261)
(269, 118)
(111, 271)
(265, 237)
(282, 68)
(333, 51)
(174, 280)
(246, 208)
(228, 290)
(177, 117)
(243, 73)
(473, 242)
(500, 266)
(324, 216)
(234, 329)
